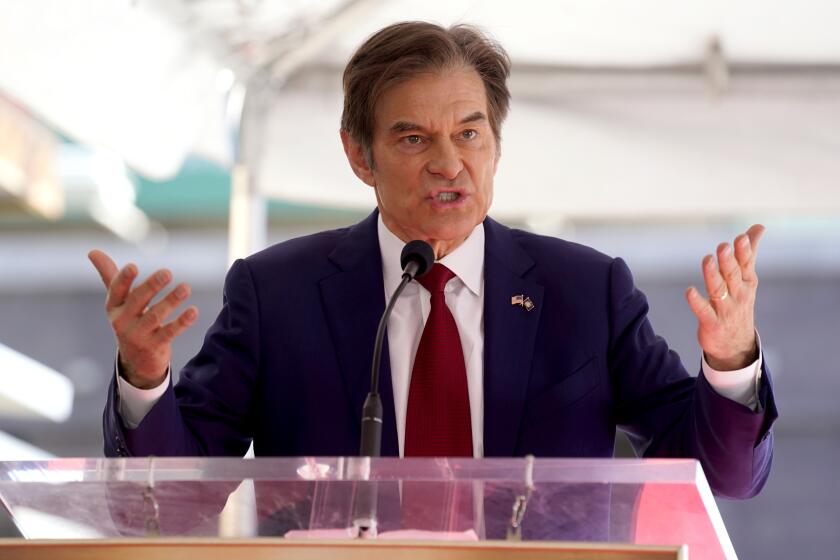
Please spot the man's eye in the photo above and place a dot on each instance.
(469, 134)
(413, 139)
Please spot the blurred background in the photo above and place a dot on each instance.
(185, 133)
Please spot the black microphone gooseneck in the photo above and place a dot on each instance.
(416, 259)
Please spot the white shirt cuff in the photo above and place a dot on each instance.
(739, 385)
(135, 403)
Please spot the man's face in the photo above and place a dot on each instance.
(434, 158)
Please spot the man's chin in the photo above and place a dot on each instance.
(451, 232)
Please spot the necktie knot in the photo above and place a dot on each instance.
(436, 279)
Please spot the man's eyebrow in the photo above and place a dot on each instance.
(405, 126)
(408, 126)
(477, 116)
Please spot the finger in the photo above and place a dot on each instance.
(715, 284)
(158, 313)
(701, 308)
(169, 331)
(729, 268)
(140, 297)
(106, 267)
(120, 286)
(755, 233)
(745, 257)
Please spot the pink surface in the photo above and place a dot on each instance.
(402, 535)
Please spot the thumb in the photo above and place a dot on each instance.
(701, 308)
(104, 265)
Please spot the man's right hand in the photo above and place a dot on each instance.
(144, 341)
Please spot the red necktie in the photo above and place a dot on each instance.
(438, 416)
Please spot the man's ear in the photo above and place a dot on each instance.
(356, 156)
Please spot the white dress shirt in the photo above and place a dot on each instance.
(464, 296)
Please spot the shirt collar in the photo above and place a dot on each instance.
(466, 261)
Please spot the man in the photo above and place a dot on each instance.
(524, 344)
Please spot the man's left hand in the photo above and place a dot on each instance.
(727, 318)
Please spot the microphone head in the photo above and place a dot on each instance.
(418, 252)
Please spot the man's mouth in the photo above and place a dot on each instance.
(447, 196)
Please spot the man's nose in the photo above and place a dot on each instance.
(445, 160)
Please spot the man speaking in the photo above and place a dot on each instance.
(512, 344)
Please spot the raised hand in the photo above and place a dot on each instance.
(727, 318)
(144, 341)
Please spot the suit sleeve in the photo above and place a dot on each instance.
(209, 411)
(668, 413)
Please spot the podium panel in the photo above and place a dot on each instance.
(454, 506)
(280, 549)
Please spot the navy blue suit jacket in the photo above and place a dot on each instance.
(287, 363)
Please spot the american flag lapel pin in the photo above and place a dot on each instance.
(523, 301)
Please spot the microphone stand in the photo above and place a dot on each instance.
(371, 442)
(364, 511)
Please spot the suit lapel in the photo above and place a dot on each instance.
(353, 304)
(509, 335)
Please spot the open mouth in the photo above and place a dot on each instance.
(447, 196)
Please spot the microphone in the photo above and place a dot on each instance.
(416, 259)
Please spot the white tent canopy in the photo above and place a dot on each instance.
(630, 33)
(613, 113)
(114, 76)
(659, 146)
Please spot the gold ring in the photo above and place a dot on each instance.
(722, 297)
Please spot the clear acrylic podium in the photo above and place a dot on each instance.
(361, 508)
